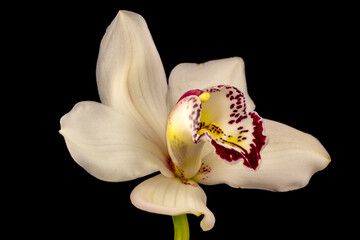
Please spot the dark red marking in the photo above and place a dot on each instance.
(187, 182)
(251, 158)
(235, 152)
(196, 92)
(258, 142)
(241, 118)
(227, 154)
(204, 169)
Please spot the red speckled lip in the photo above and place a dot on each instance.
(252, 157)
(243, 136)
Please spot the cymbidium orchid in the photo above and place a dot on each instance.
(201, 128)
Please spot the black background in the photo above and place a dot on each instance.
(292, 56)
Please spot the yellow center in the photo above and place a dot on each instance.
(204, 96)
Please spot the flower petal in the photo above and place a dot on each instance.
(130, 75)
(107, 144)
(172, 196)
(289, 160)
(234, 132)
(187, 76)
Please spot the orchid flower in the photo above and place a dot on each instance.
(201, 128)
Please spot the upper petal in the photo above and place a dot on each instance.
(289, 160)
(107, 144)
(130, 75)
(172, 196)
(187, 76)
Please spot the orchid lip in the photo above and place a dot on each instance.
(237, 134)
(217, 115)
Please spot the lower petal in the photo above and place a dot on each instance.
(172, 196)
(289, 160)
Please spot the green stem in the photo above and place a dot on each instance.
(181, 227)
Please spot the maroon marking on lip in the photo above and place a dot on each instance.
(227, 154)
(252, 157)
(258, 142)
(241, 118)
(230, 151)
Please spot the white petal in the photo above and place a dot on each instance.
(188, 76)
(289, 160)
(172, 196)
(130, 75)
(107, 144)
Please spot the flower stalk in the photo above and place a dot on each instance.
(181, 227)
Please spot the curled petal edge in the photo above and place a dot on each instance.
(172, 196)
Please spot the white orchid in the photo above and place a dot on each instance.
(201, 128)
